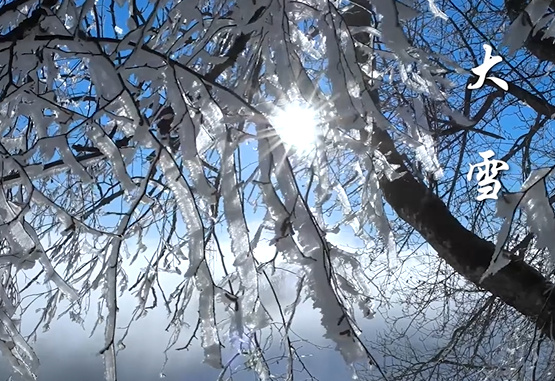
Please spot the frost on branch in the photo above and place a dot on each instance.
(13, 346)
(539, 212)
(506, 208)
(530, 21)
(158, 130)
(533, 201)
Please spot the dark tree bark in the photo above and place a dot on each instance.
(518, 284)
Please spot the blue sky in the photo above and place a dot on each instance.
(141, 360)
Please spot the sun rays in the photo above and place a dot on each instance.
(297, 127)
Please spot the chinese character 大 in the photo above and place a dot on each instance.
(482, 70)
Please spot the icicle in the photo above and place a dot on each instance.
(18, 351)
(209, 338)
(436, 11)
(112, 154)
(339, 326)
(238, 232)
(506, 206)
(189, 211)
(539, 213)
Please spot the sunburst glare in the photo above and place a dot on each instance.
(297, 126)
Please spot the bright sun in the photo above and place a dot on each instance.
(297, 127)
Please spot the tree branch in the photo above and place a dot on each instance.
(518, 284)
(536, 44)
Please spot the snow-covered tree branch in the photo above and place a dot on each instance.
(222, 150)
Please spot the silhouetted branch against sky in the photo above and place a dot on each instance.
(265, 145)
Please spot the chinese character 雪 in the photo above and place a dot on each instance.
(487, 172)
(482, 70)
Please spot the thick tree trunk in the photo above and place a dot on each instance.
(518, 284)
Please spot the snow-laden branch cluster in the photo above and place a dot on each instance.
(533, 200)
(156, 123)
